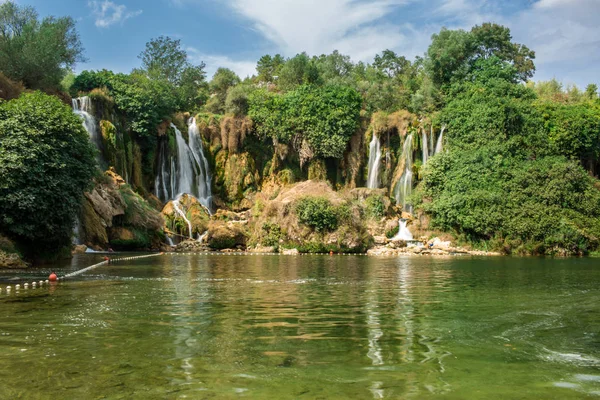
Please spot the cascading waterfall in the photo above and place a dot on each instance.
(431, 142)
(82, 106)
(404, 185)
(374, 161)
(186, 171)
(439, 145)
(179, 210)
(425, 146)
(403, 232)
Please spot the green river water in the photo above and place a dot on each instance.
(305, 327)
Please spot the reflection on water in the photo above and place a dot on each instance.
(306, 327)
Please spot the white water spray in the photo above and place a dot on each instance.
(82, 106)
(186, 171)
(404, 185)
(439, 145)
(374, 160)
(425, 147)
(403, 232)
(179, 210)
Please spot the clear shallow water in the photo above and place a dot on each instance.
(310, 327)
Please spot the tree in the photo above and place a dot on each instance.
(268, 67)
(222, 80)
(298, 70)
(37, 53)
(453, 53)
(164, 58)
(46, 162)
(591, 91)
(390, 64)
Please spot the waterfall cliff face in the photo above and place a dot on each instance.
(403, 188)
(183, 168)
(425, 146)
(374, 161)
(82, 106)
(440, 141)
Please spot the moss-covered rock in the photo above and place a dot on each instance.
(195, 213)
(113, 214)
(278, 222)
(224, 234)
(317, 171)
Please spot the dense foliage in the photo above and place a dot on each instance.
(36, 52)
(317, 213)
(326, 117)
(46, 162)
(505, 181)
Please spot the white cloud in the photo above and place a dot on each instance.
(352, 26)
(242, 68)
(108, 13)
(563, 33)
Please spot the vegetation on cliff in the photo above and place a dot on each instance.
(46, 162)
(515, 169)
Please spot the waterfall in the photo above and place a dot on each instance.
(82, 106)
(185, 171)
(431, 142)
(178, 210)
(202, 237)
(403, 232)
(425, 146)
(439, 145)
(374, 160)
(404, 185)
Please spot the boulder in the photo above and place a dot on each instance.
(11, 260)
(79, 249)
(226, 235)
(290, 252)
(196, 213)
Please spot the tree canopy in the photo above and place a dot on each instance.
(36, 52)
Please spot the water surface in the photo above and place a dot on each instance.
(308, 327)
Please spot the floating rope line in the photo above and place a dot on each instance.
(41, 283)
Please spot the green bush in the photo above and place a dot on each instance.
(317, 213)
(375, 207)
(271, 234)
(46, 162)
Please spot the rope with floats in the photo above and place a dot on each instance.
(54, 278)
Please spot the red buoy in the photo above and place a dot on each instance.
(52, 277)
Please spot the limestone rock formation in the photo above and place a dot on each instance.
(113, 215)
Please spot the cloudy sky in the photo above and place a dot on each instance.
(234, 33)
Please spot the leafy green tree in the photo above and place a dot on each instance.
(591, 91)
(37, 53)
(163, 59)
(325, 116)
(268, 67)
(298, 70)
(237, 102)
(390, 64)
(46, 162)
(222, 80)
(86, 81)
(500, 181)
(453, 54)
(334, 68)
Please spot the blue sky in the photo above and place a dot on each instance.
(234, 33)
